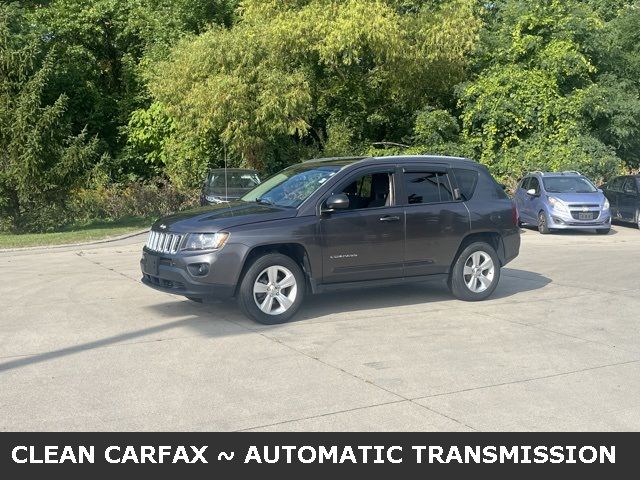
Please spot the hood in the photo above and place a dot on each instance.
(221, 216)
(580, 198)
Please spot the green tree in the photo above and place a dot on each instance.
(40, 159)
(296, 77)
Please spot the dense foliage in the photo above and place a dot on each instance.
(108, 96)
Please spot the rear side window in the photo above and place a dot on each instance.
(427, 187)
(467, 181)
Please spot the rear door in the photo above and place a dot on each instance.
(365, 242)
(435, 219)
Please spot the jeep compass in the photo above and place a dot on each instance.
(329, 224)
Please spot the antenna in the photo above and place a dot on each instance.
(226, 191)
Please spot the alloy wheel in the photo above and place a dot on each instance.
(275, 290)
(478, 271)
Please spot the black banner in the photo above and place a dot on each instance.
(201, 455)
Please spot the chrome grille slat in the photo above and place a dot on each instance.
(162, 242)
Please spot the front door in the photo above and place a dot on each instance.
(628, 200)
(365, 241)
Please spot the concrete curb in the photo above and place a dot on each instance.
(124, 236)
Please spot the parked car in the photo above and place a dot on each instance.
(223, 185)
(624, 198)
(334, 223)
(558, 201)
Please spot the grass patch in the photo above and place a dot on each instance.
(95, 230)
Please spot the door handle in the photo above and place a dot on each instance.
(389, 218)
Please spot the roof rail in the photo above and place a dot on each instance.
(329, 159)
(571, 172)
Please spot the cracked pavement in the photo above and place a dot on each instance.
(85, 346)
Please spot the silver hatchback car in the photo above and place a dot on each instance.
(564, 200)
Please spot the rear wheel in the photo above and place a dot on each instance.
(543, 224)
(475, 273)
(272, 290)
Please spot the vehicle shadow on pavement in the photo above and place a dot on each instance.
(512, 282)
(219, 318)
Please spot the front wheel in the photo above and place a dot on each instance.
(475, 273)
(272, 290)
(543, 225)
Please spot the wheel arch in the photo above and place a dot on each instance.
(490, 237)
(296, 251)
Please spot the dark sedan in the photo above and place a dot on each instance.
(622, 193)
(223, 185)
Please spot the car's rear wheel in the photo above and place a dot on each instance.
(475, 273)
(272, 289)
(543, 224)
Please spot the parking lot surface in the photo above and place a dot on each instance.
(85, 346)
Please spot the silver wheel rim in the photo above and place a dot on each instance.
(478, 272)
(275, 290)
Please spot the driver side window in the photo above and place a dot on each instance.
(371, 190)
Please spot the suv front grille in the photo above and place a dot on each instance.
(163, 242)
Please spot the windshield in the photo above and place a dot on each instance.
(234, 180)
(568, 185)
(292, 186)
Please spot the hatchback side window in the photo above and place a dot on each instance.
(524, 184)
(369, 191)
(427, 187)
(534, 184)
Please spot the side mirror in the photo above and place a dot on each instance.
(339, 201)
(531, 192)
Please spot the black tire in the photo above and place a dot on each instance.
(603, 231)
(638, 219)
(195, 299)
(257, 268)
(458, 280)
(543, 226)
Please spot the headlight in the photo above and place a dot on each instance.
(213, 199)
(606, 204)
(558, 204)
(206, 241)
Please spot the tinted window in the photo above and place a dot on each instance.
(615, 184)
(234, 180)
(427, 187)
(630, 185)
(534, 183)
(369, 191)
(467, 181)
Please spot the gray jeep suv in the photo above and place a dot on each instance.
(341, 222)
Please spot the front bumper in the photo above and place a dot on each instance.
(176, 273)
(561, 220)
